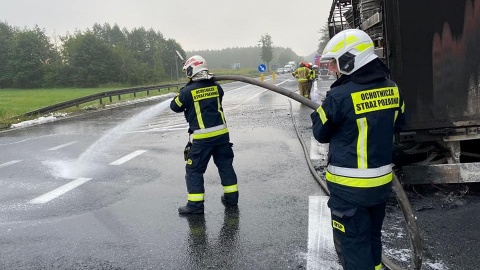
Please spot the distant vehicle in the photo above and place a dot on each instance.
(280, 71)
(288, 68)
(324, 71)
(293, 64)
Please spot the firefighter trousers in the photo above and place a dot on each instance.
(357, 234)
(196, 166)
(304, 88)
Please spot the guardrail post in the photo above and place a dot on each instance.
(148, 93)
(134, 94)
(100, 101)
(119, 97)
(110, 98)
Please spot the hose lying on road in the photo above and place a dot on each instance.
(413, 231)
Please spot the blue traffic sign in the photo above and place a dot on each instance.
(262, 67)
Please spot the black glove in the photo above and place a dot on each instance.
(186, 152)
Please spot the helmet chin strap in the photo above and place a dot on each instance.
(189, 71)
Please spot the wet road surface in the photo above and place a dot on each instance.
(101, 191)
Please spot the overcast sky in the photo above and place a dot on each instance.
(196, 25)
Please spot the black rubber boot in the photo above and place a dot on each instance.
(230, 199)
(188, 210)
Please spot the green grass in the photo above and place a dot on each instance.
(16, 102)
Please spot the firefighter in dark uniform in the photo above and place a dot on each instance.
(201, 102)
(358, 119)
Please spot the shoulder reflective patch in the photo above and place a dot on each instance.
(178, 102)
(323, 116)
(376, 99)
(204, 93)
(337, 225)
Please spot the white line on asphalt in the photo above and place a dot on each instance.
(61, 146)
(59, 191)
(128, 157)
(9, 163)
(321, 252)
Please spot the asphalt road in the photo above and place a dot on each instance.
(101, 191)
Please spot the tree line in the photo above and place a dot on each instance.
(99, 56)
(109, 55)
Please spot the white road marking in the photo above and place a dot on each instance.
(128, 157)
(321, 252)
(62, 146)
(59, 191)
(9, 163)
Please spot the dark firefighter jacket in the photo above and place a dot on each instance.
(201, 102)
(357, 119)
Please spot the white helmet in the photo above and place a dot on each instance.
(194, 65)
(351, 48)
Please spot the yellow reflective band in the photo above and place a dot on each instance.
(219, 106)
(403, 107)
(378, 267)
(395, 118)
(177, 101)
(210, 134)
(362, 143)
(337, 225)
(196, 197)
(375, 100)
(230, 189)
(351, 39)
(340, 45)
(322, 115)
(204, 93)
(198, 112)
(210, 129)
(189, 162)
(359, 182)
(363, 46)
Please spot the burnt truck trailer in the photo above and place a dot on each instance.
(432, 48)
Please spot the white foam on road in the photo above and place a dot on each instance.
(128, 157)
(62, 146)
(9, 163)
(318, 151)
(321, 252)
(59, 191)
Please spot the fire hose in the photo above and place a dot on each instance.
(412, 227)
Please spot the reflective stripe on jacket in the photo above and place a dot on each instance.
(302, 74)
(358, 121)
(201, 102)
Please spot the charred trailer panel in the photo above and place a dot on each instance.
(432, 48)
(434, 56)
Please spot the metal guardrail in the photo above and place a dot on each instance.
(99, 96)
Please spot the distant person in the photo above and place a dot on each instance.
(358, 118)
(302, 74)
(313, 75)
(333, 69)
(201, 102)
